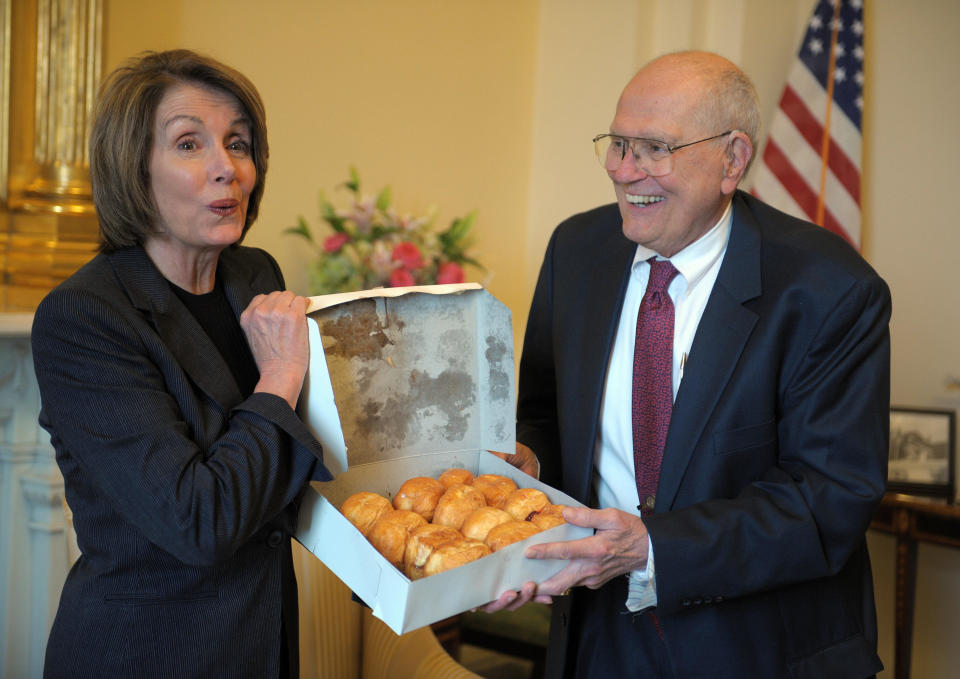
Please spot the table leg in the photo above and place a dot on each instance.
(905, 596)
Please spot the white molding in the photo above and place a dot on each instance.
(35, 551)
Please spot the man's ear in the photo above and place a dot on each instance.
(736, 157)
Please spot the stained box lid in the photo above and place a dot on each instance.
(398, 372)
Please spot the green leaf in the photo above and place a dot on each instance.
(330, 216)
(354, 182)
(472, 262)
(383, 199)
(464, 225)
(325, 204)
(378, 231)
(458, 229)
(301, 229)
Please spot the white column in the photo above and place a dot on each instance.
(34, 554)
(43, 495)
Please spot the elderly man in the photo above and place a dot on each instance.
(711, 377)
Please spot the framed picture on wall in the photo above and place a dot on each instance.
(921, 452)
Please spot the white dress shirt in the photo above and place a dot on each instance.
(615, 485)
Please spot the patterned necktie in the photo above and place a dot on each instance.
(652, 381)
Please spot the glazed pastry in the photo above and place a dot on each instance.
(454, 554)
(456, 475)
(456, 504)
(364, 509)
(525, 502)
(478, 524)
(390, 533)
(548, 517)
(419, 494)
(495, 488)
(508, 533)
(421, 544)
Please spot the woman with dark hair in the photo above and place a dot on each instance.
(169, 369)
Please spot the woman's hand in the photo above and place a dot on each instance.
(276, 330)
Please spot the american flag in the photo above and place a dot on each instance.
(810, 166)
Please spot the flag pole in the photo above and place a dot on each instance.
(825, 141)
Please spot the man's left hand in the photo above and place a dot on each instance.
(618, 546)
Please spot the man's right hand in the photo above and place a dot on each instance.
(524, 459)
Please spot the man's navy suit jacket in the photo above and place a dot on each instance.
(776, 454)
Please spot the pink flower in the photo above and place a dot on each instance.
(362, 215)
(380, 262)
(408, 222)
(408, 255)
(400, 278)
(449, 272)
(333, 243)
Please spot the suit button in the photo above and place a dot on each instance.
(275, 539)
(649, 503)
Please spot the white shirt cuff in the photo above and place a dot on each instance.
(642, 585)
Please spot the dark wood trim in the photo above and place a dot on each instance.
(912, 520)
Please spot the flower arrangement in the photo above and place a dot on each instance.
(371, 245)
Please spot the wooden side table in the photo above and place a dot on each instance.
(912, 520)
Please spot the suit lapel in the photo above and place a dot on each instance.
(601, 302)
(191, 347)
(242, 284)
(721, 336)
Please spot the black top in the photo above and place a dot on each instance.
(214, 314)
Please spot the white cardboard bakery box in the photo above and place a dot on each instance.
(409, 382)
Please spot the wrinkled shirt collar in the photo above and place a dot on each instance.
(696, 259)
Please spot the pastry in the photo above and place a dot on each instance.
(548, 517)
(525, 502)
(363, 509)
(456, 475)
(389, 534)
(421, 544)
(419, 494)
(456, 504)
(454, 554)
(509, 532)
(495, 488)
(478, 524)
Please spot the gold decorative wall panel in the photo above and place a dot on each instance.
(51, 58)
(5, 6)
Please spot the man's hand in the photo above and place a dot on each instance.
(524, 459)
(618, 546)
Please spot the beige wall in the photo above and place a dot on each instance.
(432, 98)
(912, 164)
(491, 105)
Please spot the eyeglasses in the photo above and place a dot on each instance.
(652, 156)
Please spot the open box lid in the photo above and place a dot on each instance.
(399, 372)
